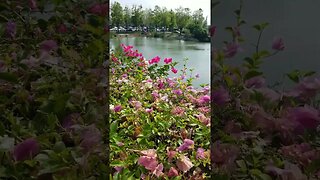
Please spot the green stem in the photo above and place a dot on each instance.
(258, 42)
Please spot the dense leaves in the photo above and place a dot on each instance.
(53, 89)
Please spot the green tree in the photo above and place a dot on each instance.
(157, 16)
(198, 26)
(137, 14)
(148, 18)
(183, 16)
(127, 16)
(165, 18)
(173, 20)
(116, 14)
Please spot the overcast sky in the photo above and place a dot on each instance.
(171, 4)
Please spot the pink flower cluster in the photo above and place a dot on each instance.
(154, 60)
(99, 9)
(150, 162)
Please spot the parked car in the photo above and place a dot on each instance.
(114, 29)
(121, 29)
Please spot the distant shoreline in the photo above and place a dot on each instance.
(166, 35)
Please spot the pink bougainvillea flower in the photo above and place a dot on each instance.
(168, 60)
(224, 155)
(120, 143)
(99, 9)
(307, 88)
(204, 109)
(32, 4)
(197, 76)
(118, 168)
(179, 111)
(90, 137)
(158, 170)
(203, 119)
(177, 91)
(174, 70)
(307, 117)
(137, 104)
(200, 153)
(154, 60)
(212, 30)
(231, 49)
(184, 163)
(149, 163)
(303, 153)
(117, 108)
(11, 29)
(155, 95)
(26, 149)
(278, 44)
(149, 153)
(173, 172)
(269, 94)
(160, 85)
(149, 110)
(187, 144)
(221, 96)
(171, 155)
(31, 62)
(70, 120)
(48, 45)
(204, 99)
(62, 28)
(255, 82)
(127, 49)
(124, 75)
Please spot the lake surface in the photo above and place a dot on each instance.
(197, 53)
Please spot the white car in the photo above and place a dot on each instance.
(114, 29)
(122, 29)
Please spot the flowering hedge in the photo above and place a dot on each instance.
(53, 89)
(259, 132)
(159, 125)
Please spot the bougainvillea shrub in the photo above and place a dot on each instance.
(260, 132)
(53, 89)
(159, 126)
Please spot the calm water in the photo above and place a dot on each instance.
(198, 54)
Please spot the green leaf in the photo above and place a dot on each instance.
(310, 73)
(251, 74)
(8, 77)
(117, 163)
(257, 27)
(113, 127)
(242, 165)
(257, 173)
(262, 54)
(261, 26)
(294, 76)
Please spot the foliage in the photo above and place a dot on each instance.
(159, 125)
(267, 133)
(53, 89)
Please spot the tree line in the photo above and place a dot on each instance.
(182, 19)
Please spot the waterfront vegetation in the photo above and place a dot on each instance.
(157, 21)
